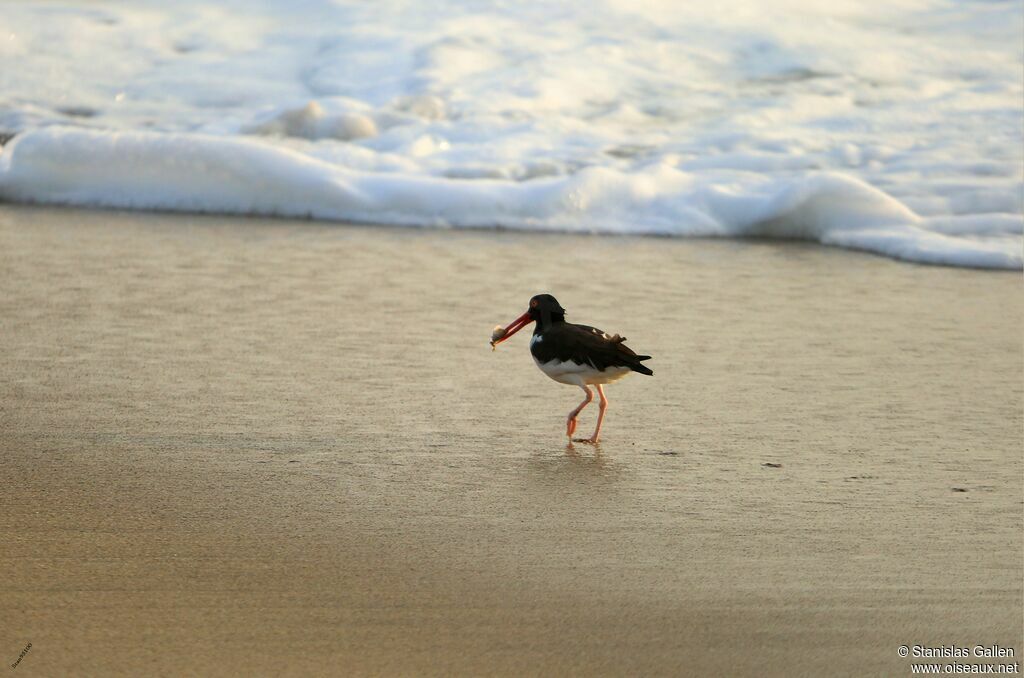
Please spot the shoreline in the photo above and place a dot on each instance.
(497, 229)
(274, 446)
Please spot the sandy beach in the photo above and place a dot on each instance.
(266, 447)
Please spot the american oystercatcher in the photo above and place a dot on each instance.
(577, 355)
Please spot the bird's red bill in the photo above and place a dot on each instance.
(513, 327)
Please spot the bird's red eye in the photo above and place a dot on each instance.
(533, 303)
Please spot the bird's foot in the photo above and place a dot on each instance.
(570, 426)
(589, 441)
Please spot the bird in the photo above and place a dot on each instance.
(578, 355)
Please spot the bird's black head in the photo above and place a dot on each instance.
(544, 309)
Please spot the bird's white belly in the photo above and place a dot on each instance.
(577, 375)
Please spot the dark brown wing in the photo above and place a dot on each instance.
(585, 345)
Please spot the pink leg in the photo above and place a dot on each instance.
(600, 417)
(570, 424)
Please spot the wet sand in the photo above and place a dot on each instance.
(255, 447)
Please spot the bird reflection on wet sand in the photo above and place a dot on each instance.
(576, 466)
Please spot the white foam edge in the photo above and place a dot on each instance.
(244, 175)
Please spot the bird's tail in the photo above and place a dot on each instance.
(642, 369)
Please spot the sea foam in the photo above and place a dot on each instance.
(892, 129)
(191, 172)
